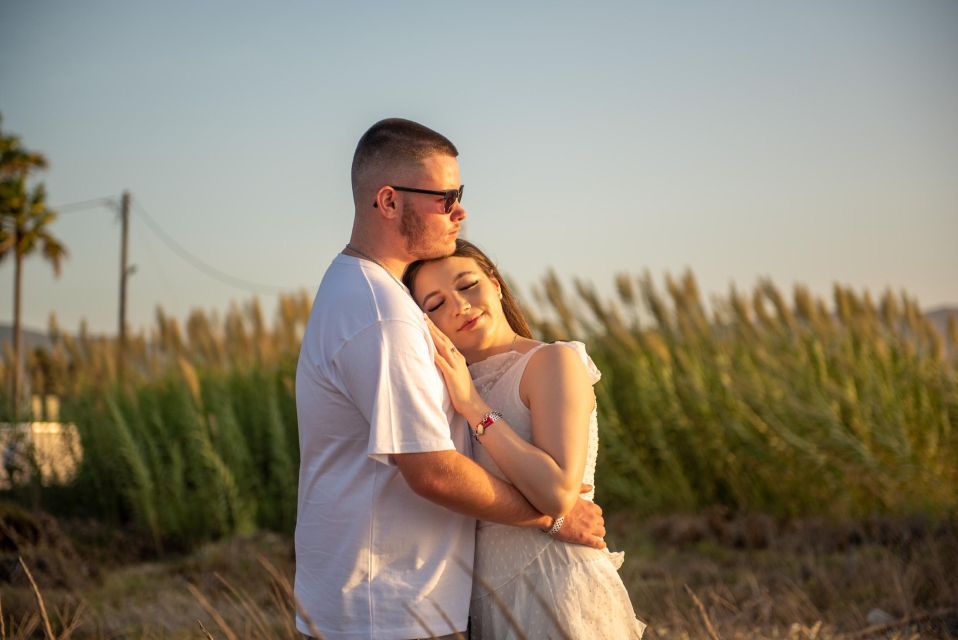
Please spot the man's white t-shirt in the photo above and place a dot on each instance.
(367, 547)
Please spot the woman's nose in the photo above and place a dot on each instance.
(459, 303)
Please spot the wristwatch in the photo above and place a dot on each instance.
(486, 422)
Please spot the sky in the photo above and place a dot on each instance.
(812, 142)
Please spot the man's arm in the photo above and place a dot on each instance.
(455, 482)
(393, 355)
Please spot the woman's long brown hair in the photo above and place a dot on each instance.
(465, 249)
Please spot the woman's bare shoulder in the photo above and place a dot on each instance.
(555, 363)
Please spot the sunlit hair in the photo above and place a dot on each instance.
(465, 249)
(396, 142)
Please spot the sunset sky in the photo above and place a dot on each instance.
(808, 142)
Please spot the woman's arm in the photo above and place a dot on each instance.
(549, 470)
(452, 480)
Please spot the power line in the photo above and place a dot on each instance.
(170, 290)
(197, 263)
(85, 204)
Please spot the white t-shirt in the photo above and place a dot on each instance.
(367, 547)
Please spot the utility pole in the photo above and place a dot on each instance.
(124, 273)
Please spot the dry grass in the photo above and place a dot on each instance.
(804, 580)
(235, 588)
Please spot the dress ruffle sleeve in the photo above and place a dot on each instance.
(591, 370)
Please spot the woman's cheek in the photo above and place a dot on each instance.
(450, 328)
(442, 321)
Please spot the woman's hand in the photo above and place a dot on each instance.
(455, 372)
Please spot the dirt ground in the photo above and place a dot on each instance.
(708, 575)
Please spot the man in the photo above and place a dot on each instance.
(388, 496)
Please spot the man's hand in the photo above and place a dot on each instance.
(584, 524)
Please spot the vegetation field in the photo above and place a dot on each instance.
(741, 577)
(733, 423)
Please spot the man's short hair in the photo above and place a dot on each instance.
(396, 142)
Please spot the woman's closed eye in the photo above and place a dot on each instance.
(465, 287)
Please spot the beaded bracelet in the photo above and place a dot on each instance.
(555, 526)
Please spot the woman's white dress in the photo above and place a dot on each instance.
(550, 589)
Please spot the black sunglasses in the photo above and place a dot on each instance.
(452, 196)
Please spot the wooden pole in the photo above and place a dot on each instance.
(17, 328)
(124, 273)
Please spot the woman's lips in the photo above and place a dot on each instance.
(469, 324)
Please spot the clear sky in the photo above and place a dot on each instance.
(810, 142)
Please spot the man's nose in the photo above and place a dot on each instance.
(459, 212)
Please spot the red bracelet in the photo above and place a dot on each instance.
(486, 422)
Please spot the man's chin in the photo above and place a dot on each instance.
(437, 250)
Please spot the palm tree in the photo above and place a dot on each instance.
(24, 227)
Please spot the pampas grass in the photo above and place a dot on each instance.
(763, 405)
(760, 401)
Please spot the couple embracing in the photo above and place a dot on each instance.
(446, 457)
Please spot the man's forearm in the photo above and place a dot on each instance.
(457, 483)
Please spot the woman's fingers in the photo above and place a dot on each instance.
(436, 332)
(436, 340)
(443, 344)
(442, 364)
(438, 337)
(432, 328)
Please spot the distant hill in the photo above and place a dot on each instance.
(939, 318)
(31, 338)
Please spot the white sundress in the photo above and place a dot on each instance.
(551, 589)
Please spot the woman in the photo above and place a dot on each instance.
(532, 411)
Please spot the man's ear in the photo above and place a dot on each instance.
(387, 201)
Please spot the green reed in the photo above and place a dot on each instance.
(755, 403)
(761, 405)
(197, 439)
